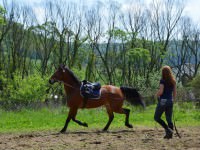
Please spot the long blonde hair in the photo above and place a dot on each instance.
(167, 75)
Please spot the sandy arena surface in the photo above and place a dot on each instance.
(139, 138)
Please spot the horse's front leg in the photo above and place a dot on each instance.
(80, 123)
(71, 114)
(77, 121)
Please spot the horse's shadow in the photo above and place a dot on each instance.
(57, 134)
(97, 132)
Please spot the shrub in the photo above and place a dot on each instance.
(195, 86)
(30, 89)
(153, 84)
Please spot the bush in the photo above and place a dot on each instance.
(195, 86)
(196, 82)
(30, 89)
(153, 84)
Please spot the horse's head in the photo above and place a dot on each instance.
(63, 74)
(58, 75)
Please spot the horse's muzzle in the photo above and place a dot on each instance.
(52, 81)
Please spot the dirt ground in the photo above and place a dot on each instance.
(117, 139)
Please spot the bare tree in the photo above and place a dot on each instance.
(45, 40)
(193, 44)
(15, 38)
(184, 50)
(7, 20)
(133, 23)
(94, 30)
(107, 54)
(165, 16)
(63, 24)
(78, 37)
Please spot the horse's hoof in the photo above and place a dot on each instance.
(85, 124)
(105, 130)
(129, 125)
(62, 131)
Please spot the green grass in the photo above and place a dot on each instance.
(54, 119)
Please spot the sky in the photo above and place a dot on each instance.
(191, 6)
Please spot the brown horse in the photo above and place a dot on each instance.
(112, 98)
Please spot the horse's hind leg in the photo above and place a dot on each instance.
(111, 117)
(126, 112)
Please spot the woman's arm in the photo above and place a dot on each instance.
(160, 91)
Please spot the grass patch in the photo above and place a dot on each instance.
(54, 119)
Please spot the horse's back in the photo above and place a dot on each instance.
(111, 90)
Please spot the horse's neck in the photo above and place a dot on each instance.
(70, 85)
(69, 89)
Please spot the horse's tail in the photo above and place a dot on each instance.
(132, 96)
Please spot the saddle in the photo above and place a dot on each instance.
(90, 90)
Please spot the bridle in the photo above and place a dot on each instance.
(66, 84)
(59, 81)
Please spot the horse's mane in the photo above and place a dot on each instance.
(73, 75)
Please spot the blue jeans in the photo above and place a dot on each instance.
(166, 107)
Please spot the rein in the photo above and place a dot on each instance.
(67, 84)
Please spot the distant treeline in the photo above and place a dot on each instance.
(103, 42)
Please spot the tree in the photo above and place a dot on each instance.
(164, 18)
(184, 54)
(139, 59)
(6, 17)
(94, 31)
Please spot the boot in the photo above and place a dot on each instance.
(169, 133)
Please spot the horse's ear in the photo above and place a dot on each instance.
(62, 67)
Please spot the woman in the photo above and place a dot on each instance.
(166, 94)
